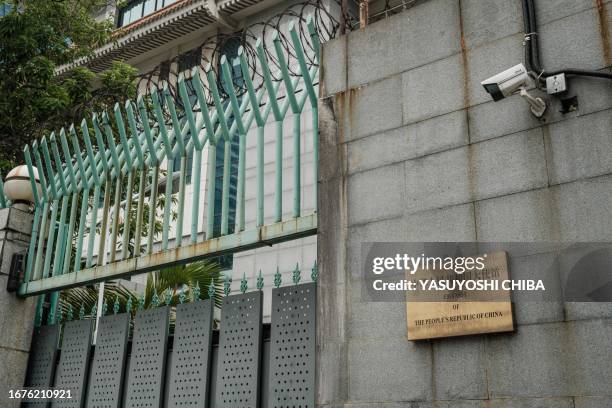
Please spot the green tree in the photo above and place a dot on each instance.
(36, 37)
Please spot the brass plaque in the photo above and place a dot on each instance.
(461, 312)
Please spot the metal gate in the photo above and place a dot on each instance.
(86, 189)
(244, 364)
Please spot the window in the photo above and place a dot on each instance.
(138, 9)
(5, 8)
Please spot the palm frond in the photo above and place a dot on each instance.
(176, 278)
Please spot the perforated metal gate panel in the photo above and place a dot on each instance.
(189, 373)
(41, 364)
(292, 347)
(74, 363)
(43, 352)
(238, 370)
(147, 362)
(106, 376)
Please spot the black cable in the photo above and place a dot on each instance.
(528, 33)
(580, 72)
(532, 49)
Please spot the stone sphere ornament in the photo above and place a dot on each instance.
(17, 186)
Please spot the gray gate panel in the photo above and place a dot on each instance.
(238, 370)
(106, 378)
(74, 363)
(189, 375)
(265, 373)
(43, 352)
(147, 362)
(292, 347)
(41, 364)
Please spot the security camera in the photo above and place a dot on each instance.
(506, 83)
(511, 81)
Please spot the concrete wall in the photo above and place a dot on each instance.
(413, 149)
(16, 315)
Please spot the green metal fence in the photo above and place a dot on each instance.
(109, 167)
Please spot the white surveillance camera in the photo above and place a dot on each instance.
(511, 81)
(507, 83)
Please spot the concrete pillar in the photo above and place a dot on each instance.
(16, 315)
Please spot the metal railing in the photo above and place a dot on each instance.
(124, 154)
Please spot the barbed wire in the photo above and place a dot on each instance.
(207, 55)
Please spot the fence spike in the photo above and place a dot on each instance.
(104, 307)
(45, 191)
(214, 90)
(189, 112)
(181, 296)
(82, 311)
(90, 153)
(111, 145)
(155, 299)
(178, 137)
(196, 292)
(128, 305)
(159, 115)
(141, 302)
(226, 75)
(267, 78)
(297, 274)
(227, 285)
(260, 281)
(144, 120)
(206, 115)
(50, 172)
(70, 166)
(244, 284)
(94, 310)
(123, 136)
(70, 315)
(82, 173)
(277, 278)
(58, 164)
(106, 166)
(315, 272)
(28, 159)
(314, 35)
(301, 57)
(60, 316)
(284, 70)
(168, 297)
(211, 289)
(116, 305)
(134, 130)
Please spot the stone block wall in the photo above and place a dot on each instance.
(413, 149)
